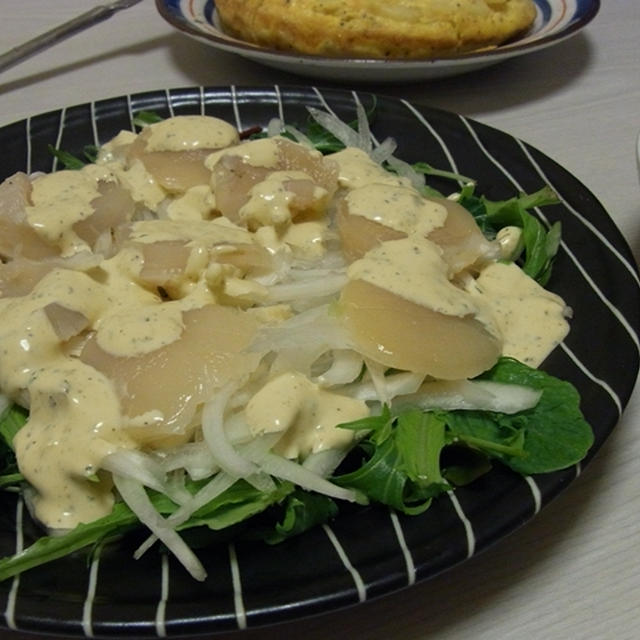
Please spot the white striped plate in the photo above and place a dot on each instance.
(328, 568)
(556, 20)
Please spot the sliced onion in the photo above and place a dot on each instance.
(305, 289)
(137, 466)
(299, 136)
(377, 371)
(324, 463)
(405, 170)
(384, 151)
(473, 394)
(334, 125)
(136, 498)
(395, 384)
(194, 457)
(288, 470)
(222, 451)
(345, 367)
(364, 132)
(274, 127)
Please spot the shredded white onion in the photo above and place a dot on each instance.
(346, 366)
(339, 129)
(472, 394)
(222, 451)
(136, 498)
(405, 170)
(384, 151)
(395, 384)
(288, 470)
(324, 463)
(307, 288)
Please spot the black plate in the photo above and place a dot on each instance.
(371, 551)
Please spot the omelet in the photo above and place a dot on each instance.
(386, 29)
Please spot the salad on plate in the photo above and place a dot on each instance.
(201, 327)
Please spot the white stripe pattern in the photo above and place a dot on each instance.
(404, 548)
(87, 608)
(468, 528)
(535, 493)
(357, 578)
(238, 601)
(161, 611)
(10, 611)
(63, 115)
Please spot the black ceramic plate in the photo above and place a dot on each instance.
(344, 563)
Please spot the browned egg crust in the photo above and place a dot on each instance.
(377, 28)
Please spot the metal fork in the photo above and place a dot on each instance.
(62, 32)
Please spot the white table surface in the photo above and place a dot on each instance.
(574, 571)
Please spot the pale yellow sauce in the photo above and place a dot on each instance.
(76, 415)
(404, 266)
(270, 201)
(306, 413)
(257, 153)
(59, 201)
(357, 169)
(532, 320)
(183, 133)
(396, 207)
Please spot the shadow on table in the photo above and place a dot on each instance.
(518, 80)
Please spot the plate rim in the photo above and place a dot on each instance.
(242, 47)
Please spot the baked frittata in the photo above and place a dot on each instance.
(376, 28)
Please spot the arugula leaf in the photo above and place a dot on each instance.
(401, 466)
(430, 170)
(236, 504)
(403, 455)
(71, 162)
(302, 511)
(11, 421)
(540, 244)
(50, 548)
(554, 433)
(143, 118)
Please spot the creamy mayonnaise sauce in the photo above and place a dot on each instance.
(404, 266)
(532, 320)
(396, 207)
(306, 413)
(121, 345)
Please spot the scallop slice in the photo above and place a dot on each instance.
(114, 207)
(17, 238)
(167, 261)
(163, 261)
(359, 234)
(401, 334)
(462, 242)
(251, 259)
(67, 323)
(19, 276)
(235, 173)
(174, 151)
(168, 385)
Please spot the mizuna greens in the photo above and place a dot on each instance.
(421, 438)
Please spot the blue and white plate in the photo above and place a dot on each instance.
(366, 552)
(556, 20)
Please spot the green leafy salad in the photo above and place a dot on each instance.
(236, 335)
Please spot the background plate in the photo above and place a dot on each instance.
(343, 564)
(556, 20)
